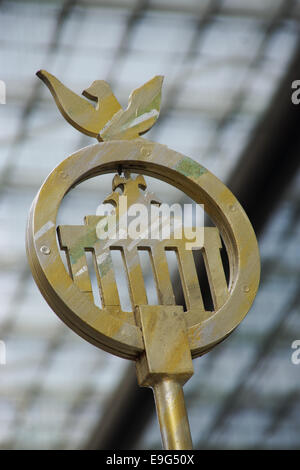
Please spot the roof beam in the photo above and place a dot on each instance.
(259, 180)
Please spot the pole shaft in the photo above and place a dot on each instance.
(172, 415)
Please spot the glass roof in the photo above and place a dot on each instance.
(222, 62)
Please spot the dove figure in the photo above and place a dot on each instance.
(107, 120)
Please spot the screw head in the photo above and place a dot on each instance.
(145, 152)
(45, 250)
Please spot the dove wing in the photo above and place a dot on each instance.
(141, 114)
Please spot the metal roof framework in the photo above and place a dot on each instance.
(222, 72)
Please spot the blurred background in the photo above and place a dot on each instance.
(229, 67)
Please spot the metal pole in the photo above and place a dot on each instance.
(172, 415)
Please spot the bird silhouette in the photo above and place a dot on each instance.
(107, 120)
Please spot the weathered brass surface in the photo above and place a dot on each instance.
(162, 339)
(167, 352)
(165, 365)
(172, 415)
(107, 121)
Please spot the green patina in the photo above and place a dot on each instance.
(154, 104)
(190, 168)
(88, 240)
(141, 110)
(106, 266)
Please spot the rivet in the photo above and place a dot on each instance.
(232, 208)
(45, 250)
(145, 152)
(246, 289)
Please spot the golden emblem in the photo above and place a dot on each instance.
(162, 339)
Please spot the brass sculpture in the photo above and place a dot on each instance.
(162, 339)
(108, 121)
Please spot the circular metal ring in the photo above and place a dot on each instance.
(99, 326)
